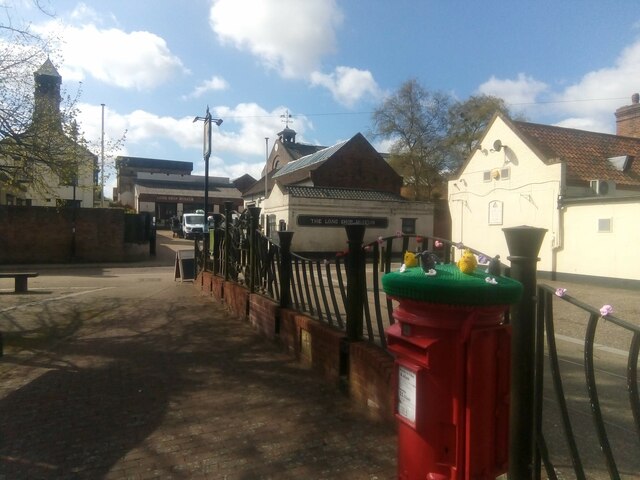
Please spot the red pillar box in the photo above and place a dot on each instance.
(452, 351)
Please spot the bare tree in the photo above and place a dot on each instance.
(467, 122)
(415, 120)
(35, 139)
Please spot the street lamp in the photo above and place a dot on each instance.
(206, 154)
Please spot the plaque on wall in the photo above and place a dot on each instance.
(495, 212)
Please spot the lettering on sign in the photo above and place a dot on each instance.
(407, 385)
(148, 197)
(337, 221)
(169, 198)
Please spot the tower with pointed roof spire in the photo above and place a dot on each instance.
(59, 168)
(47, 97)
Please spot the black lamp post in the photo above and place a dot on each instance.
(74, 215)
(206, 154)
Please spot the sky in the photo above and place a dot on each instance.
(325, 65)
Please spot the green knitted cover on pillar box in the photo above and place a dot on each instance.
(450, 286)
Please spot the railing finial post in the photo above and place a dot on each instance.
(285, 238)
(215, 248)
(254, 214)
(227, 239)
(355, 282)
(524, 244)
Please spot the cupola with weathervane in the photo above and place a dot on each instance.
(287, 135)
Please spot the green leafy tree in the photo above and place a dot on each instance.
(415, 120)
(431, 134)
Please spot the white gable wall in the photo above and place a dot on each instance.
(55, 190)
(481, 209)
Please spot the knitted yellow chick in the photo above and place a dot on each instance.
(410, 259)
(468, 262)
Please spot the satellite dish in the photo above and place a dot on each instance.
(497, 145)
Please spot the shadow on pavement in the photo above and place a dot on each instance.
(179, 389)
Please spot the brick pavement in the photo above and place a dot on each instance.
(170, 386)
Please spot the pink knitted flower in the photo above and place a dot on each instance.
(560, 292)
(606, 310)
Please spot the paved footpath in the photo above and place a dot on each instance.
(124, 373)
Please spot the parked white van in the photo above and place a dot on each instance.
(193, 224)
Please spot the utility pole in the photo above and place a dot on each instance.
(102, 161)
(266, 185)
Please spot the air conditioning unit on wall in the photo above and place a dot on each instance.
(602, 187)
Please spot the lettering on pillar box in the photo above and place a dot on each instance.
(407, 393)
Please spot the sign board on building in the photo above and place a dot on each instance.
(149, 197)
(338, 221)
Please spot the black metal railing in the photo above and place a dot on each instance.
(331, 288)
(344, 291)
(626, 424)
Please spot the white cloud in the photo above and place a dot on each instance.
(588, 104)
(246, 146)
(215, 83)
(241, 136)
(131, 60)
(523, 90)
(592, 124)
(252, 124)
(593, 100)
(83, 13)
(290, 36)
(347, 84)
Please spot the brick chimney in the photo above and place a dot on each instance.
(628, 118)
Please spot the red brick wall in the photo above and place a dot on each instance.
(371, 380)
(217, 285)
(323, 351)
(359, 166)
(628, 120)
(44, 235)
(263, 315)
(236, 297)
(318, 345)
(288, 335)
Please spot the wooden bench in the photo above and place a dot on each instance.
(20, 278)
